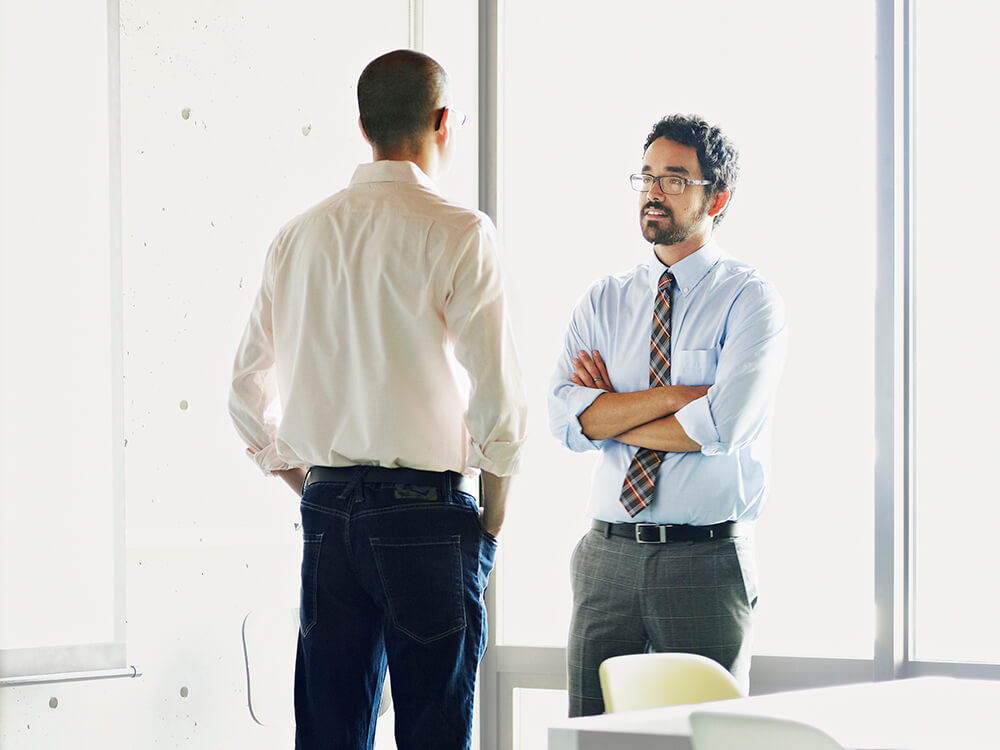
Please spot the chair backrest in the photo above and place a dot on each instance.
(269, 644)
(269, 638)
(719, 731)
(638, 681)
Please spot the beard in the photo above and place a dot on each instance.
(666, 230)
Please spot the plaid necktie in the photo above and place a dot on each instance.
(637, 491)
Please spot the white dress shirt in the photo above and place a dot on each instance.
(367, 302)
(727, 331)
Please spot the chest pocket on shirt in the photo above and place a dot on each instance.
(694, 366)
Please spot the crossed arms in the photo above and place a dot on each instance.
(642, 418)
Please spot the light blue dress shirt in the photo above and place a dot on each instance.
(727, 331)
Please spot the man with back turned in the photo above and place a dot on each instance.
(367, 301)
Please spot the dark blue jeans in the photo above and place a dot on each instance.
(392, 575)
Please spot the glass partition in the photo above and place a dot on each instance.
(956, 267)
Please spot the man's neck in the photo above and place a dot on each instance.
(670, 254)
(425, 157)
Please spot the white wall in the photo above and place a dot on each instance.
(235, 116)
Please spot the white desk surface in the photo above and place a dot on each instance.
(924, 713)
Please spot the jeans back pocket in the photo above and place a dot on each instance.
(423, 583)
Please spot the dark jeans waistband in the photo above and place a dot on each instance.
(444, 480)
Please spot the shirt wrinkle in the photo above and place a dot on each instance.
(737, 349)
(342, 313)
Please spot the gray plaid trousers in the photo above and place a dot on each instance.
(629, 598)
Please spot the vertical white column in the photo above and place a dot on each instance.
(893, 338)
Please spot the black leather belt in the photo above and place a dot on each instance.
(444, 480)
(652, 533)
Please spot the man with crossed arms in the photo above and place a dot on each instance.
(670, 371)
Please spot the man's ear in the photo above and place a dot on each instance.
(363, 133)
(443, 131)
(720, 201)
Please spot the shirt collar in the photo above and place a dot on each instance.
(687, 272)
(392, 171)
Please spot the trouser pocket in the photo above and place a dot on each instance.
(422, 580)
(312, 546)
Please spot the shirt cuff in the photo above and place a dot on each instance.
(578, 401)
(500, 458)
(267, 460)
(696, 419)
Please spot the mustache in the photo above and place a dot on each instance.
(658, 207)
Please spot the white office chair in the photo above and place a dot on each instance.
(269, 645)
(719, 731)
(635, 681)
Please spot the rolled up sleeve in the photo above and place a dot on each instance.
(566, 403)
(566, 400)
(253, 393)
(484, 345)
(751, 359)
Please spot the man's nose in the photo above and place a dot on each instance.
(656, 192)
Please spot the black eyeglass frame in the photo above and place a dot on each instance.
(455, 113)
(641, 179)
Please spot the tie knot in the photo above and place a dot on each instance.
(665, 280)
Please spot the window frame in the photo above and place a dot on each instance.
(96, 661)
(508, 667)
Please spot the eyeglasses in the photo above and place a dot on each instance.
(670, 184)
(457, 119)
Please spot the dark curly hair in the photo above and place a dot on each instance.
(398, 94)
(717, 156)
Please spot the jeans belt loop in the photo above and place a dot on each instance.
(352, 489)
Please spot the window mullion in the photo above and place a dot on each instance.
(892, 463)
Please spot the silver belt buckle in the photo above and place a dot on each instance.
(662, 530)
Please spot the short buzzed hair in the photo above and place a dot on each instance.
(398, 94)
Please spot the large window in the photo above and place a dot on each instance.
(61, 512)
(956, 268)
(852, 119)
(803, 213)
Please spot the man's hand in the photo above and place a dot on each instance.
(590, 371)
(494, 502)
(292, 477)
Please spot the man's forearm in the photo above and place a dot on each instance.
(660, 435)
(612, 414)
(494, 500)
(292, 477)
